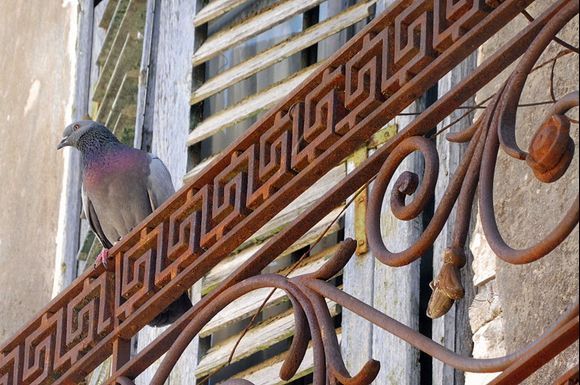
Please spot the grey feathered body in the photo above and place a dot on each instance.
(124, 185)
(121, 187)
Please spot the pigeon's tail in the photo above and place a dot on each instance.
(172, 312)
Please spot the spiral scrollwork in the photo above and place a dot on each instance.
(405, 185)
(550, 154)
(307, 295)
(318, 289)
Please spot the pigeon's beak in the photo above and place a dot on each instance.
(63, 143)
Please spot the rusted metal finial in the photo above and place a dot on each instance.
(447, 287)
(551, 149)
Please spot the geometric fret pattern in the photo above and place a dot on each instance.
(274, 168)
(409, 45)
(372, 67)
(56, 341)
(452, 18)
(323, 109)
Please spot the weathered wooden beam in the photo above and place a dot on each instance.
(170, 123)
(145, 102)
(358, 350)
(396, 290)
(357, 332)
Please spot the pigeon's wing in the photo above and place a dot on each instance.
(159, 184)
(91, 215)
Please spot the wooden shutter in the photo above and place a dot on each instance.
(231, 90)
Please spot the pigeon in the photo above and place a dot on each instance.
(121, 186)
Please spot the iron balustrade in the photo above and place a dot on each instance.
(378, 73)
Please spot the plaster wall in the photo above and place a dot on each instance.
(35, 101)
(515, 304)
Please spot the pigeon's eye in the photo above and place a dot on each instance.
(76, 127)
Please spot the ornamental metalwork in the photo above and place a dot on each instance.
(377, 74)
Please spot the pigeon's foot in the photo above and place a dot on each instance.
(102, 258)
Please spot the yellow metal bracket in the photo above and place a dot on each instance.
(360, 206)
(360, 202)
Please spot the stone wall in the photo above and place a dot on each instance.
(36, 62)
(515, 304)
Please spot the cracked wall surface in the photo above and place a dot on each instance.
(515, 304)
(35, 99)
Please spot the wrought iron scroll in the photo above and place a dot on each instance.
(375, 76)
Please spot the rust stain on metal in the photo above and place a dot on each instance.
(336, 111)
(551, 149)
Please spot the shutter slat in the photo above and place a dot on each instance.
(112, 19)
(199, 168)
(108, 13)
(251, 302)
(258, 338)
(252, 26)
(299, 205)
(225, 268)
(127, 61)
(283, 50)
(126, 96)
(268, 372)
(115, 46)
(214, 10)
(248, 107)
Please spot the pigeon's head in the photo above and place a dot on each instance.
(83, 128)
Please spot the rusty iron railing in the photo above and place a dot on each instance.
(393, 61)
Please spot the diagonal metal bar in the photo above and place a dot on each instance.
(540, 355)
